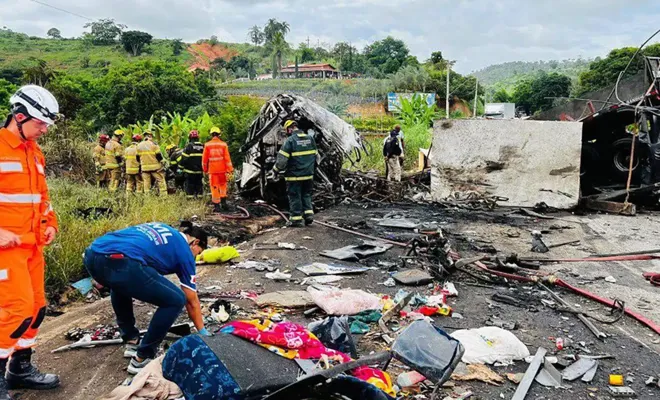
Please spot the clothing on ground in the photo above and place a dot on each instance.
(148, 384)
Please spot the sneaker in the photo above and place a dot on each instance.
(309, 221)
(130, 349)
(136, 366)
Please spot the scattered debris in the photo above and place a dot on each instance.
(610, 279)
(410, 378)
(220, 311)
(623, 391)
(321, 280)
(651, 381)
(335, 333)
(477, 372)
(413, 277)
(530, 375)
(490, 345)
(508, 325)
(515, 378)
(278, 276)
(84, 286)
(537, 243)
(355, 253)
(389, 282)
(578, 369)
(450, 288)
(286, 299)
(616, 380)
(318, 268)
(549, 376)
(402, 223)
(428, 350)
(591, 374)
(343, 301)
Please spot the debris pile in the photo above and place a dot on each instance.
(337, 142)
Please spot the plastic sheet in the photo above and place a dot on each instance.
(335, 333)
(428, 350)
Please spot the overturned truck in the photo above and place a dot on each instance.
(337, 142)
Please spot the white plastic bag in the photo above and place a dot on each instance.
(343, 301)
(489, 345)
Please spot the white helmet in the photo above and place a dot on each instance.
(38, 102)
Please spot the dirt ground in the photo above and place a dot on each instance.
(91, 373)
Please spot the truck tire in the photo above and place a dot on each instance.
(621, 157)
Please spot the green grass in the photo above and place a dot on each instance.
(416, 137)
(64, 256)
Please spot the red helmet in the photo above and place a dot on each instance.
(137, 137)
(193, 134)
(104, 138)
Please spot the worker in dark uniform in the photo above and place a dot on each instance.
(191, 164)
(174, 172)
(297, 161)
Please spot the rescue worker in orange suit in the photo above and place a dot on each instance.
(134, 182)
(114, 158)
(216, 162)
(191, 164)
(151, 160)
(99, 161)
(27, 225)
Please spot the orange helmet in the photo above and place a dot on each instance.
(103, 138)
(137, 137)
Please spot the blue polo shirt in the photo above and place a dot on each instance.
(155, 244)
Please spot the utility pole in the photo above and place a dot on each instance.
(476, 94)
(447, 98)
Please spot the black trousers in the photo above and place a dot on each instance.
(193, 184)
(300, 200)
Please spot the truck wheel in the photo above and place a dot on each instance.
(621, 156)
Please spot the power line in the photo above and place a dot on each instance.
(61, 9)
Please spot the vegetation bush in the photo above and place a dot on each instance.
(380, 124)
(64, 256)
(416, 137)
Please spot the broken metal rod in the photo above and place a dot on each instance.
(630, 253)
(530, 375)
(552, 246)
(581, 317)
(361, 234)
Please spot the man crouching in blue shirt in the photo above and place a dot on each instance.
(131, 263)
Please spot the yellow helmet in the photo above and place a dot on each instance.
(170, 147)
(215, 129)
(290, 122)
(119, 132)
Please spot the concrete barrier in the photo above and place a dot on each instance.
(525, 161)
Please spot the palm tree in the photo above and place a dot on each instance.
(256, 35)
(284, 27)
(280, 48)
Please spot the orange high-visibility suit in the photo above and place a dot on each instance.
(216, 162)
(26, 211)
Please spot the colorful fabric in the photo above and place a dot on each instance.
(195, 368)
(293, 341)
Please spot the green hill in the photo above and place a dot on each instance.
(507, 75)
(18, 50)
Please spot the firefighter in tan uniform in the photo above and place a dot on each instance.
(133, 177)
(99, 161)
(114, 158)
(150, 162)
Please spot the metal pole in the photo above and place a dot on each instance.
(476, 93)
(447, 98)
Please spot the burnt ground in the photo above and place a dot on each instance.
(90, 373)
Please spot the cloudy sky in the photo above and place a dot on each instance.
(475, 33)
